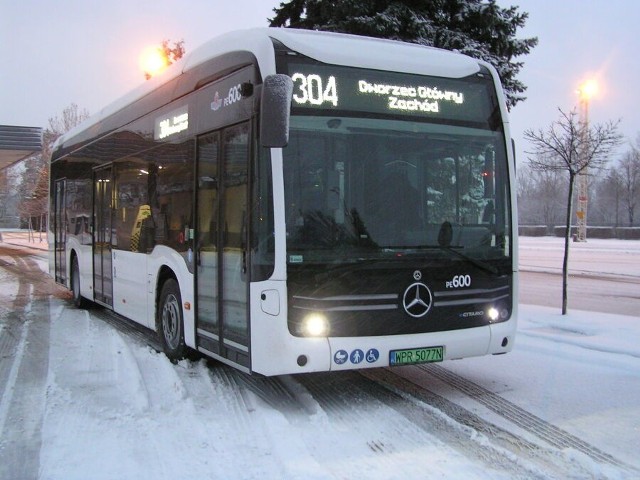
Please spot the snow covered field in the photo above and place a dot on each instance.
(85, 400)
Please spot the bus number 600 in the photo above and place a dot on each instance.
(459, 281)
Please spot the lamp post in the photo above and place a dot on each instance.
(586, 90)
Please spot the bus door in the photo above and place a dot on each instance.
(60, 231)
(221, 276)
(102, 231)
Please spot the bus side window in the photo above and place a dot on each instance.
(171, 197)
(131, 206)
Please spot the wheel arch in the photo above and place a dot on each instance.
(183, 348)
(83, 301)
(165, 273)
(164, 264)
(73, 255)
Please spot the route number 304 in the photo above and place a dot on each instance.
(313, 90)
(459, 281)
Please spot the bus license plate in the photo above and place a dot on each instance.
(412, 356)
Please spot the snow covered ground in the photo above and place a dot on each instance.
(100, 403)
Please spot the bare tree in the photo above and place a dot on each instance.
(609, 197)
(630, 176)
(33, 190)
(58, 126)
(549, 189)
(526, 195)
(174, 53)
(33, 194)
(540, 197)
(572, 146)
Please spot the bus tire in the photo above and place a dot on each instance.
(78, 300)
(169, 322)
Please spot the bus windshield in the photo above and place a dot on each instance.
(380, 184)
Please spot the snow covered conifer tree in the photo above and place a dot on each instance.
(478, 28)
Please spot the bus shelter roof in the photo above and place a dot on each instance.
(17, 143)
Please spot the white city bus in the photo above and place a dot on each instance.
(291, 201)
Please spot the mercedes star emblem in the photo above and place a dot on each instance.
(417, 300)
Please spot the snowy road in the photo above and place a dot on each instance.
(24, 356)
(604, 275)
(84, 399)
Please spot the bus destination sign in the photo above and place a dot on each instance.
(171, 123)
(327, 87)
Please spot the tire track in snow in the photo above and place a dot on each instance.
(351, 405)
(281, 393)
(551, 460)
(338, 403)
(314, 441)
(94, 394)
(213, 400)
(16, 354)
(435, 429)
(476, 436)
(244, 415)
(24, 349)
(204, 396)
(529, 422)
(225, 387)
(142, 334)
(346, 409)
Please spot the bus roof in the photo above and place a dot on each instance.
(327, 47)
(375, 53)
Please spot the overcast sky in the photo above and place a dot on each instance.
(55, 53)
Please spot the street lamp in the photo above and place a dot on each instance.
(153, 61)
(586, 90)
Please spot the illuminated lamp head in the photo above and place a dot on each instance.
(588, 89)
(153, 61)
(315, 325)
(498, 312)
(493, 314)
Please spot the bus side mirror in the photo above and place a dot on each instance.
(275, 109)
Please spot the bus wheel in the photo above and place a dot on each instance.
(78, 300)
(170, 325)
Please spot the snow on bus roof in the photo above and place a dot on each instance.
(327, 47)
(376, 53)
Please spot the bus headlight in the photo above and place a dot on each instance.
(315, 325)
(498, 313)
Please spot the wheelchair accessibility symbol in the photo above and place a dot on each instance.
(372, 355)
(356, 356)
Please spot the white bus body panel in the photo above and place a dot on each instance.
(274, 351)
(130, 286)
(135, 283)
